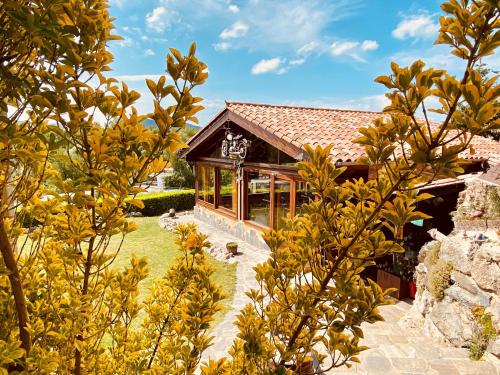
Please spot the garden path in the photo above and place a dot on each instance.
(247, 258)
(394, 349)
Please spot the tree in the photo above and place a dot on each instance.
(486, 74)
(60, 297)
(182, 175)
(311, 300)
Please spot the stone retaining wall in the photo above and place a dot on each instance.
(474, 281)
(235, 228)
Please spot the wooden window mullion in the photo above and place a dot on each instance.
(293, 191)
(271, 202)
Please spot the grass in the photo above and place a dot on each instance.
(158, 246)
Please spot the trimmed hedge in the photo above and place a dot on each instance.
(158, 203)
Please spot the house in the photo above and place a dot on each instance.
(245, 161)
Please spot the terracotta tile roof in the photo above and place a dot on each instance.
(324, 126)
(492, 176)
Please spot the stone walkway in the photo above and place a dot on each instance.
(247, 258)
(398, 350)
(394, 350)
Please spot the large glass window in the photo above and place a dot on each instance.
(206, 184)
(259, 197)
(302, 195)
(228, 191)
(281, 202)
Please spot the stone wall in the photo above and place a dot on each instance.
(235, 228)
(474, 279)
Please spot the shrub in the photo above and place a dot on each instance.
(484, 333)
(439, 278)
(182, 175)
(158, 203)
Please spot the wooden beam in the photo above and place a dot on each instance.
(272, 139)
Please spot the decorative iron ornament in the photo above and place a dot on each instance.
(234, 146)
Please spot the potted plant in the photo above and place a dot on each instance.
(232, 247)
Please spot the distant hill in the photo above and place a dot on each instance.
(150, 123)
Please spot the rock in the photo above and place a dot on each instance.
(424, 302)
(456, 293)
(456, 251)
(476, 214)
(453, 321)
(437, 235)
(494, 348)
(485, 271)
(168, 222)
(465, 282)
(494, 310)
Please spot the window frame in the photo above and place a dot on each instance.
(273, 175)
(217, 185)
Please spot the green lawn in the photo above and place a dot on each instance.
(158, 246)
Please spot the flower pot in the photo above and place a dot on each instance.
(232, 247)
(412, 289)
(388, 280)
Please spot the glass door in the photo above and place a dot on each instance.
(259, 198)
(281, 209)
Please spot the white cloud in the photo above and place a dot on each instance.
(233, 8)
(308, 48)
(149, 52)
(160, 18)
(222, 46)
(236, 30)
(342, 48)
(126, 42)
(274, 65)
(369, 45)
(297, 61)
(419, 26)
(353, 49)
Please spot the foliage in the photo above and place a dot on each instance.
(66, 165)
(161, 251)
(182, 175)
(432, 254)
(486, 73)
(60, 294)
(438, 278)
(155, 204)
(484, 333)
(311, 300)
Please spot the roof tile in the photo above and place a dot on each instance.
(324, 126)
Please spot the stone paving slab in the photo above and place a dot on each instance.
(394, 350)
(247, 258)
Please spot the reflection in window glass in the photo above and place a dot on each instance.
(206, 184)
(281, 202)
(228, 189)
(259, 197)
(302, 196)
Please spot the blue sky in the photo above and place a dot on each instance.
(314, 53)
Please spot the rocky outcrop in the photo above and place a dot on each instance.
(474, 281)
(473, 253)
